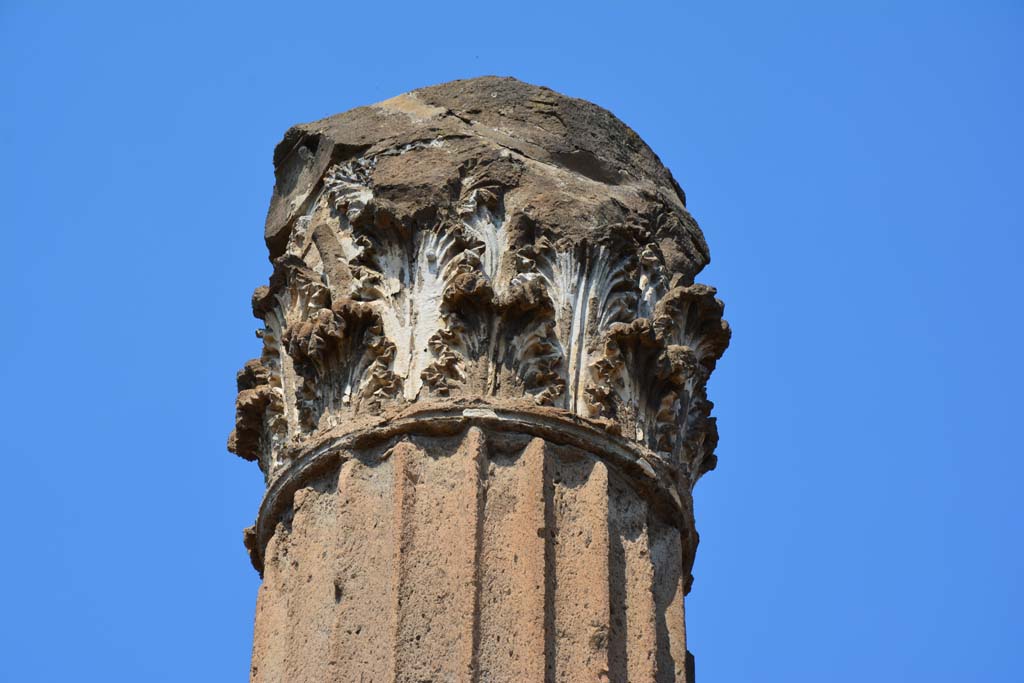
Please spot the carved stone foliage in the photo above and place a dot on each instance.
(652, 373)
(452, 265)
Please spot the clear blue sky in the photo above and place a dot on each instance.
(856, 168)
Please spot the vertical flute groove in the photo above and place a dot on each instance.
(476, 476)
(550, 575)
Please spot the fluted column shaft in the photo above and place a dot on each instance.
(486, 555)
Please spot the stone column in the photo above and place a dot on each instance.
(480, 405)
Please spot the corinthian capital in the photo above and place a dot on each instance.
(480, 243)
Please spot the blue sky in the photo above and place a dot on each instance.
(856, 168)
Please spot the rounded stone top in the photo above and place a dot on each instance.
(531, 120)
(563, 164)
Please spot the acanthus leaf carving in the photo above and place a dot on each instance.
(344, 360)
(651, 374)
(691, 317)
(257, 411)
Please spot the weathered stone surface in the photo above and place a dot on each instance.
(481, 403)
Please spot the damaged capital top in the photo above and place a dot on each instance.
(484, 242)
